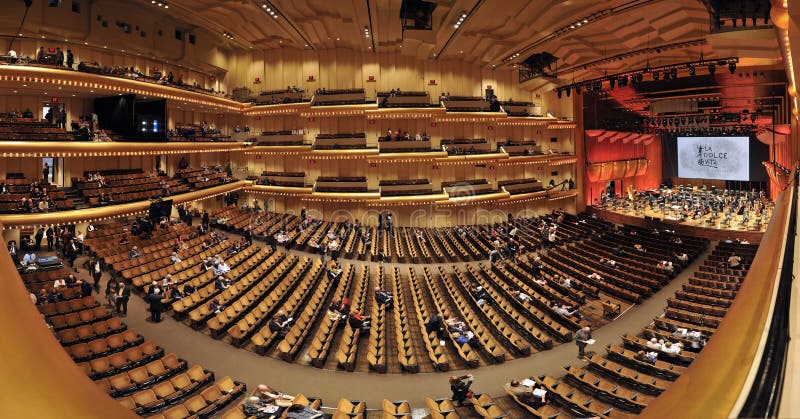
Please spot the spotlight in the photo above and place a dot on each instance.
(732, 67)
(623, 81)
(655, 75)
(568, 89)
(666, 74)
(578, 89)
(673, 72)
(712, 69)
(598, 86)
(692, 70)
(558, 92)
(611, 82)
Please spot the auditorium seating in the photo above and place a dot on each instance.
(466, 104)
(619, 383)
(136, 372)
(196, 133)
(402, 145)
(280, 138)
(466, 146)
(274, 97)
(323, 97)
(520, 186)
(341, 184)
(203, 177)
(513, 108)
(520, 148)
(405, 187)
(292, 179)
(341, 141)
(18, 188)
(467, 187)
(31, 129)
(404, 99)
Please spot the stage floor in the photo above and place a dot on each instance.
(699, 227)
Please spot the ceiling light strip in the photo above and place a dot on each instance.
(458, 28)
(580, 23)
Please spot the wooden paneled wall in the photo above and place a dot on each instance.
(343, 68)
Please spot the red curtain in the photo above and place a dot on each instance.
(624, 152)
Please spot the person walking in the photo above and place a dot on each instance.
(583, 337)
(96, 270)
(459, 386)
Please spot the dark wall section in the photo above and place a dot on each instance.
(133, 119)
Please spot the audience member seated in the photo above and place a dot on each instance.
(359, 321)
(280, 323)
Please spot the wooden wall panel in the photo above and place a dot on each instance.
(344, 68)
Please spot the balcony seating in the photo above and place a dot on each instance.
(405, 187)
(520, 186)
(280, 138)
(291, 179)
(404, 100)
(466, 146)
(29, 129)
(323, 97)
(341, 141)
(521, 148)
(341, 184)
(467, 187)
(466, 104)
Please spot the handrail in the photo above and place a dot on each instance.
(39, 378)
(764, 397)
(121, 210)
(710, 387)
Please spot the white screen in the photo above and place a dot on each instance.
(723, 158)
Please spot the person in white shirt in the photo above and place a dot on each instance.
(567, 283)
(734, 261)
(521, 296)
(59, 283)
(653, 344)
(595, 276)
(175, 258)
(683, 257)
(671, 348)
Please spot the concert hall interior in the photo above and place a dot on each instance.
(239, 209)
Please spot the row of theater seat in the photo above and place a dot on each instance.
(620, 384)
(404, 246)
(136, 372)
(266, 284)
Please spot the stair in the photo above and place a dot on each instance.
(76, 197)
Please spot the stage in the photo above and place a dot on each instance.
(698, 228)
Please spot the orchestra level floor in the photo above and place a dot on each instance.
(331, 385)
